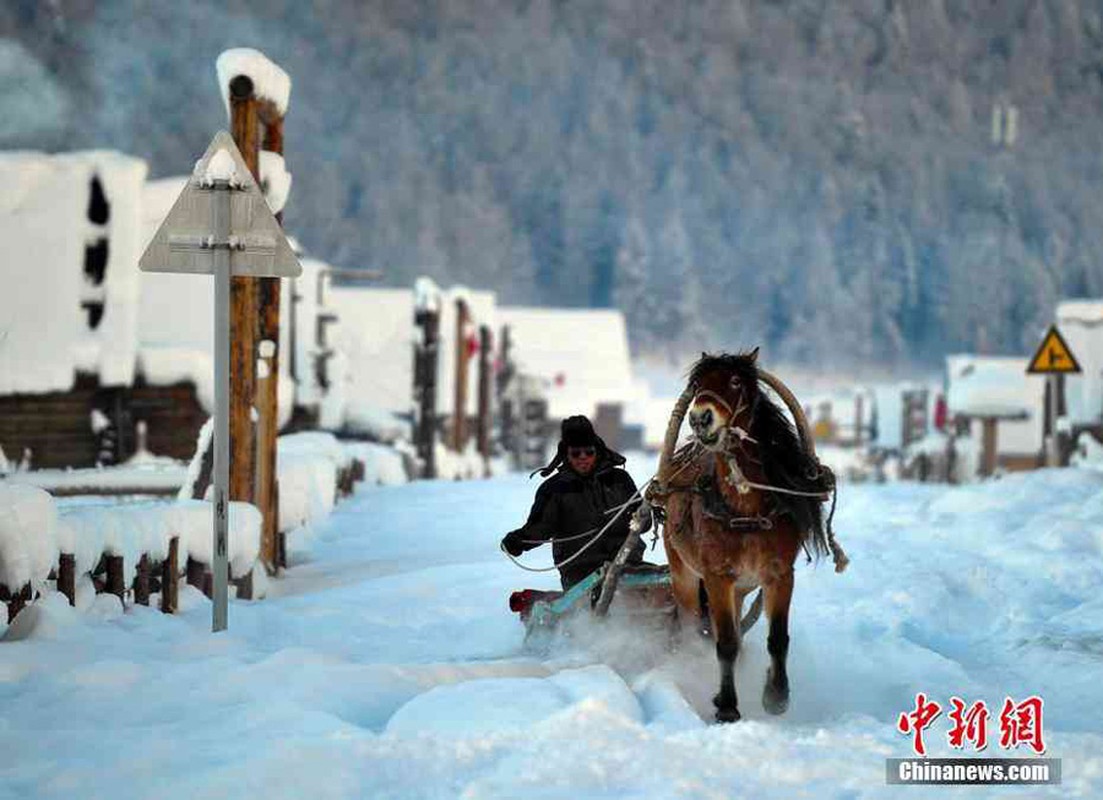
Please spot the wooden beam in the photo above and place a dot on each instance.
(194, 572)
(268, 407)
(243, 313)
(170, 578)
(989, 443)
(142, 581)
(459, 384)
(484, 422)
(425, 389)
(16, 601)
(115, 583)
(67, 577)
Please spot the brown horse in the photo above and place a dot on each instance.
(740, 502)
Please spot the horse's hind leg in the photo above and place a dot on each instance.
(777, 595)
(725, 628)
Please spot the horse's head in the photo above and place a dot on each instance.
(725, 396)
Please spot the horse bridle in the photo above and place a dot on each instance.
(740, 434)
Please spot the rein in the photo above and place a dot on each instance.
(619, 509)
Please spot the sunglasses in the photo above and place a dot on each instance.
(581, 452)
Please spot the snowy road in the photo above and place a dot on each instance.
(387, 664)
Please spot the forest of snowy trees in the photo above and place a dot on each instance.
(874, 181)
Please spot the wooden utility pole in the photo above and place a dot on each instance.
(243, 313)
(425, 388)
(989, 458)
(484, 398)
(858, 420)
(272, 554)
(508, 407)
(459, 401)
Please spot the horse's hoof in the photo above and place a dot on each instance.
(728, 715)
(775, 699)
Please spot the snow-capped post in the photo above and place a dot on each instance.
(484, 398)
(426, 317)
(221, 225)
(257, 92)
(459, 399)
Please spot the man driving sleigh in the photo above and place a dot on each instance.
(587, 490)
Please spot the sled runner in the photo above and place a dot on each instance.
(643, 588)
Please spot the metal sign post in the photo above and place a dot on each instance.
(221, 226)
(220, 223)
(1055, 360)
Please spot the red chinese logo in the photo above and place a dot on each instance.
(969, 725)
(918, 721)
(1022, 724)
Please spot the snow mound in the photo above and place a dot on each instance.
(308, 464)
(44, 619)
(494, 705)
(383, 465)
(28, 532)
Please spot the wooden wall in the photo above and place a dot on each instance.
(57, 426)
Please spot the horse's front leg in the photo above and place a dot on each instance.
(725, 627)
(777, 595)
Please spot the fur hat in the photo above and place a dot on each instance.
(577, 431)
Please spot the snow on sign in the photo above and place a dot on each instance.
(186, 241)
(1053, 356)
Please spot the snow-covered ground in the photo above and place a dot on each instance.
(386, 664)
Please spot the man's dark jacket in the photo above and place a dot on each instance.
(568, 504)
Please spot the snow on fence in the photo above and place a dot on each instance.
(138, 547)
(315, 469)
(144, 547)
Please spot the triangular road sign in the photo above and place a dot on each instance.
(185, 242)
(1054, 356)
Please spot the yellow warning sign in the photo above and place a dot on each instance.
(1053, 356)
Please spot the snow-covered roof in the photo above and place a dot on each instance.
(270, 82)
(998, 386)
(46, 335)
(583, 353)
(1083, 310)
(992, 386)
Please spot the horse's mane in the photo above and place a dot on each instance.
(783, 457)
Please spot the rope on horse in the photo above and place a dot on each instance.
(838, 555)
(584, 547)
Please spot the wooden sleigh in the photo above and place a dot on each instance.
(643, 591)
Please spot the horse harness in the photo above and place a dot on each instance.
(715, 507)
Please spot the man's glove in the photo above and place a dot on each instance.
(511, 543)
